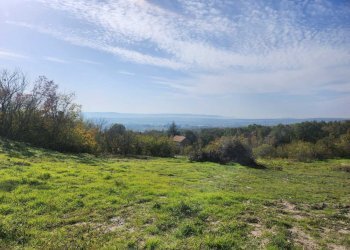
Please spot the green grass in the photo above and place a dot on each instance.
(50, 200)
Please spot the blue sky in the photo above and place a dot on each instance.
(244, 59)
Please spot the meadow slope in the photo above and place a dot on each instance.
(50, 200)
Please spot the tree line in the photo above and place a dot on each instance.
(304, 141)
(38, 113)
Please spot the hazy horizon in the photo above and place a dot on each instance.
(211, 115)
(242, 59)
(142, 122)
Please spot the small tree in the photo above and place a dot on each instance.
(191, 136)
(114, 137)
(173, 130)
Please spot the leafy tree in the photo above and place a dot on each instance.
(310, 131)
(173, 130)
(191, 136)
(42, 116)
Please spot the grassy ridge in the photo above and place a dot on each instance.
(51, 200)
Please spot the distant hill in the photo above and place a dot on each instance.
(142, 122)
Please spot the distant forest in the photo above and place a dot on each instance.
(39, 114)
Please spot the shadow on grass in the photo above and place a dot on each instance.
(16, 149)
(25, 150)
(9, 185)
(87, 159)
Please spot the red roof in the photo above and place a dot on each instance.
(179, 138)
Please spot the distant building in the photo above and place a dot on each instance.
(181, 140)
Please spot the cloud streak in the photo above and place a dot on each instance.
(11, 55)
(56, 60)
(191, 38)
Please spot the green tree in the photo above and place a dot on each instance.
(173, 130)
(191, 136)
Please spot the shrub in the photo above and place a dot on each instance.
(343, 145)
(264, 151)
(156, 146)
(300, 151)
(226, 150)
(323, 150)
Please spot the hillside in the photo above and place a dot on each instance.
(52, 200)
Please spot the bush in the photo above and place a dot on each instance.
(226, 150)
(300, 151)
(343, 145)
(156, 146)
(264, 151)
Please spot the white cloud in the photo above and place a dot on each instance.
(227, 46)
(190, 37)
(299, 82)
(95, 43)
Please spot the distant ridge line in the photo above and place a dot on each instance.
(142, 122)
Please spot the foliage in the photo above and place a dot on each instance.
(42, 116)
(173, 130)
(301, 151)
(302, 141)
(45, 117)
(264, 151)
(226, 150)
(191, 136)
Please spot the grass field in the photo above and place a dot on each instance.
(50, 200)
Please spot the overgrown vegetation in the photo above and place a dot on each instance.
(50, 200)
(226, 150)
(42, 115)
(305, 141)
(45, 117)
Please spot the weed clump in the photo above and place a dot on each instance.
(9, 185)
(44, 176)
(188, 229)
(152, 243)
(183, 209)
(225, 242)
(282, 240)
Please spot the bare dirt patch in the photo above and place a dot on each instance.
(258, 231)
(287, 206)
(114, 224)
(303, 239)
(336, 247)
(292, 210)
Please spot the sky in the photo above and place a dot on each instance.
(242, 59)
